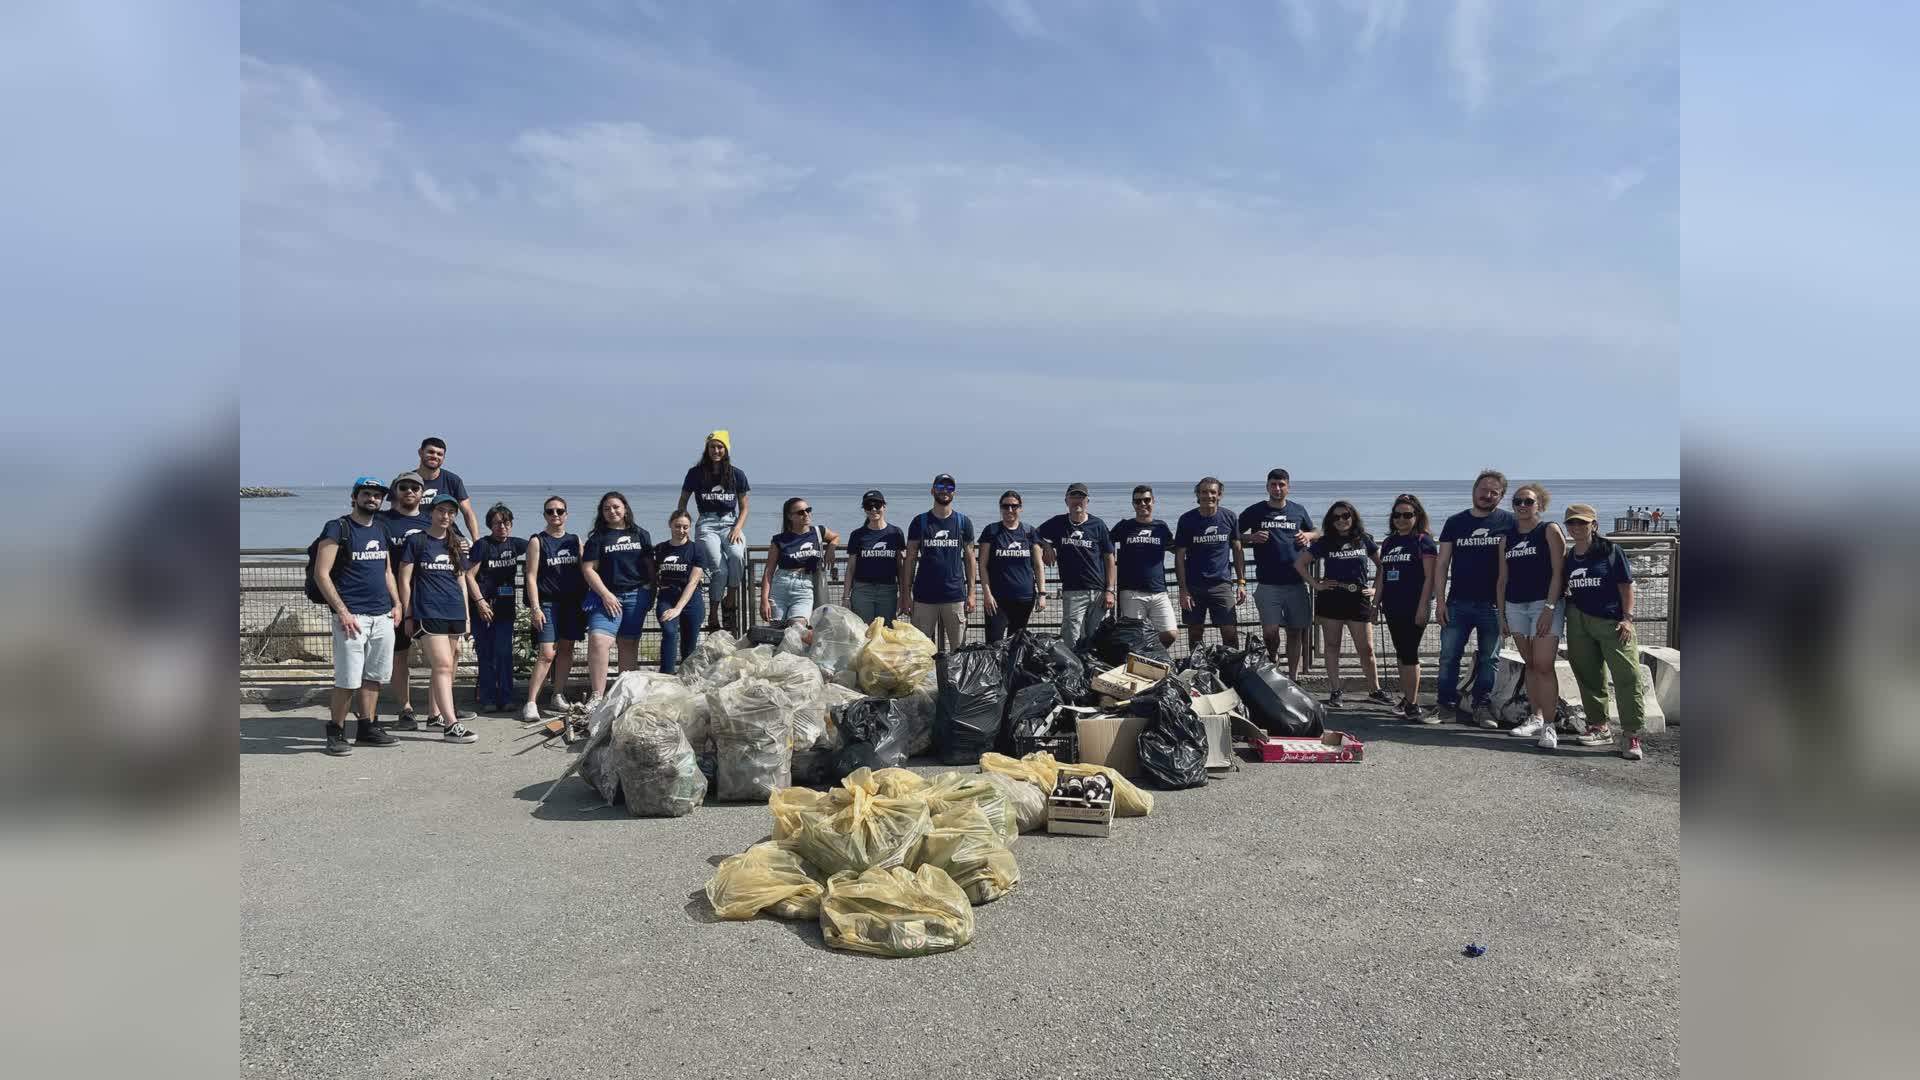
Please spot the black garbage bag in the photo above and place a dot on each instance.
(971, 704)
(1202, 668)
(1275, 703)
(1173, 744)
(1044, 658)
(1030, 713)
(1113, 639)
(1229, 663)
(873, 735)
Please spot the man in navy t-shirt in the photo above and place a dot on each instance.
(1277, 531)
(1210, 565)
(355, 577)
(1465, 580)
(1140, 546)
(434, 480)
(1080, 545)
(938, 580)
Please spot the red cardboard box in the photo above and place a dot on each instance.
(1331, 746)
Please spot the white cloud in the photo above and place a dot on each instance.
(612, 165)
(300, 137)
(1467, 50)
(1301, 21)
(1019, 16)
(1620, 182)
(1380, 19)
(431, 193)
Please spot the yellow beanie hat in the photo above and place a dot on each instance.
(725, 438)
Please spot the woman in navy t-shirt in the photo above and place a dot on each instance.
(1532, 550)
(719, 494)
(434, 591)
(556, 593)
(876, 556)
(618, 565)
(1010, 554)
(1343, 594)
(798, 553)
(493, 568)
(1403, 585)
(677, 577)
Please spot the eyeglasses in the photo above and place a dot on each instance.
(1517, 501)
(1009, 506)
(1400, 515)
(555, 511)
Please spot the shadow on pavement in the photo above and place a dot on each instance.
(573, 800)
(305, 734)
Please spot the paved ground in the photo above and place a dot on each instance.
(413, 913)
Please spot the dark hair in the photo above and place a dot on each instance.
(1215, 481)
(1021, 499)
(786, 510)
(677, 515)
(1280, 474)
(434, 441)
(600, 514)
(1420, 523)
(554, 499)
(1143, 489)
(1357, 532)
(716, 472)
(501, 509)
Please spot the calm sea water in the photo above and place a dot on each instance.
(294, 522)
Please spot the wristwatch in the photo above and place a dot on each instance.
(1549, 607)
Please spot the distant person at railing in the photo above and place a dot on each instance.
(617, 564)
(1600, 637)
(1656, 519)
(1210, 565)
(434, 479)
(677, 577)
(1276, 531)
(493, 570)
(1531, 556)
(796, 559)
(1403, 587)
(1343, 595)
(1468, 578)
(556, 595)
(876, 561)
(1081, 546)
(434, 590)
(719, 493)
(1014, 574)
(354, 573)
(1140, 548)
(941, 572)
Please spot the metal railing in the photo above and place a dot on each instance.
(281, 629)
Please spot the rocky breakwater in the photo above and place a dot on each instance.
(265, 493)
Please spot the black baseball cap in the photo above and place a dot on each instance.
(945, 478)
(1076, 488)
(871, 497)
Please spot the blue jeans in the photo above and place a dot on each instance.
(679, 636)
(494, 643)
(1467, 617)
(725, 564)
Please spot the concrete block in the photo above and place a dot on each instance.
(1663, 664)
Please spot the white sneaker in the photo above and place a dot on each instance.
(1632, 752)
(1548, 740)
(1595, 735)
(560, 702)
(593, 702)
(1529, 729)
(530, 713)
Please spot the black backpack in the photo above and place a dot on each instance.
(342, 556)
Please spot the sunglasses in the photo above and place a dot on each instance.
(873, 506)
(1146, 502)
(555, 511)
(803, 509)
(1406, 515)
(408, 489)
(1343, 517)
(1009, 506)
(1523, 502)
(946, 489)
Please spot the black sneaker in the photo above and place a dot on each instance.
(1379, 697)
(459, 716)
(1334, 699)
(337, 740)
(372, 734)
(406, 721)
(458, 733)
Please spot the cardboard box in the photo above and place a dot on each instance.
(1119, 685)
(1112, 741)
(1075, 817)
(1220, 759)
(1331, 746)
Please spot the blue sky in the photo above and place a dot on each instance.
(1364, 238)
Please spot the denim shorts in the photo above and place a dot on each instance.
(1215, 600)
(1522, 618)
(566, 621)
(366, 658)
(791, 595)
(633, 615)
(1284, 605)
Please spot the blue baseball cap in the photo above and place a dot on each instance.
(368, 482)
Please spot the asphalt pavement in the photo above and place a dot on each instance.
(415, 912)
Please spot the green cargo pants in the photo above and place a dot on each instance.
(1593, 650)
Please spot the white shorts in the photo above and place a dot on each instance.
(365, 659)
(1155, 607)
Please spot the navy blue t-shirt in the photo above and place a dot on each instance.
(1273, 560)
(714, 498)
(399, 526)
(1402, 557)
(625, 558)
(499, 562)
(876, 553)
(1009, 561)
(1346, 559)
(673, 564)
(360, 567)
(1208, 541)
(1529, 564)
(1593, 583)
(1475, 569)
(800, 551)
(438, 591)
(1141, 552)
(559, 578)
(940, 573)
(449, 482)
(1080, 551)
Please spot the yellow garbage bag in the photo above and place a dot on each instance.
(1040, 768)
(768, 878)
(896, 912)
(953, 790)
(965, 844)
(1129, 800)
(895, 660)
(859, 831)
(894, 783)
(786, 804)
(1037, 768)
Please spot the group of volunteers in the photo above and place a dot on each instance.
(402, 573)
